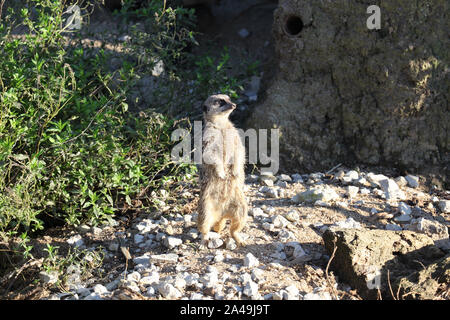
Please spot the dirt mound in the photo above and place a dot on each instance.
(344, 93)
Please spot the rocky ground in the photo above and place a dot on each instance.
(157, 255)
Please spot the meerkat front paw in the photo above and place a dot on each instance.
(221, 173)
(235, 171)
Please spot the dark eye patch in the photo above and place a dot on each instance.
(222, 102)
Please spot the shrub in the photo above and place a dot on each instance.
(69, 147)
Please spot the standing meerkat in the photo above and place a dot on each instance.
(222, 172)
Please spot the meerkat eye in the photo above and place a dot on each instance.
(222, 102)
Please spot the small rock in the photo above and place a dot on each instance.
(432, 228)
(138, 238)
(219, 257)
(285, 177)
(281, 184)
(172, 242)
(230, 244)
(215, 243)
(84, 228)
(93, 296)
(297, 178)
(258, 275)
(349, 223)
(96, 231)
(314, 194)
(403, 208)
(278, 295)
(268, 191)
(292, 216)
(362, 181)
(168, 257)
(267, 182)
(320, 203)
(286, 235)
(113, 246)
(317, 296)
(296, 250)
(243, 33)
(352, 191)
(168, 291)
(163, 221)
(291, 293)
(193, 233)
(196, 296)
(250, 260)
(375, 179)
(391, 190)
(210, 279)
(379, 193)
(124, 38)
(83, 292)
(134, 276)
(76, 241)
(401, 181)
(187, 218)
(150, 279)
(267, 175)
(100, 289)
(350, 176)
(279, 221)
(444, 205)
(251, 290)
(252, 178)
(255, 212)
(268, 296)
(364, 191)
(268, 226)
(150, 291)
(144, 259)
(403, 218)
(180, 283)
(393, 227)
(50, 277)
(191, 279)
(413, 181)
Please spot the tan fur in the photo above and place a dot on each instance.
(222, 172)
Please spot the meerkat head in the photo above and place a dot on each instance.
(218, 107)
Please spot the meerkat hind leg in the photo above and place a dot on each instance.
(218, 227)
(238, 221)
(236, 226)
(209, 218)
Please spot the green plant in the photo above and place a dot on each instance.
(70, 150)
(82, 262)
(211, 76)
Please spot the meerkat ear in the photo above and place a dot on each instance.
(205, 108)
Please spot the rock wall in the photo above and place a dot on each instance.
(340, 92)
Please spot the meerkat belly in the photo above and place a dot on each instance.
(218, 189)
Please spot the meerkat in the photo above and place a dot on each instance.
(222, 173)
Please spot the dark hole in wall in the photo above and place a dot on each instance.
(293, 25)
